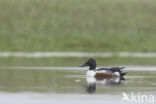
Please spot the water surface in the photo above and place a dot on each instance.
(61, 81)
(40, 86)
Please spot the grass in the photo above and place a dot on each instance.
(78, 25)
(75, 62)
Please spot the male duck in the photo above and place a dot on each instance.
(102, 72)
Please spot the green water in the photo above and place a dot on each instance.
(36, 81)
(61, 62)
(71, 81)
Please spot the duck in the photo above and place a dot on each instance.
(102, 72)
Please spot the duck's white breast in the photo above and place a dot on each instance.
(90, 73)
(117, 74)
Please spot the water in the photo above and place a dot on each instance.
(69, 86)
(61, 81)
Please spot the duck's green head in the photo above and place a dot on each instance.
(91, 63)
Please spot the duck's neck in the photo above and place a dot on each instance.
(92, 67)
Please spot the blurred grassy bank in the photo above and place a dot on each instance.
(78, 25)
(74, 62)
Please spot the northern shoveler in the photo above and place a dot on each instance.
(102, 72)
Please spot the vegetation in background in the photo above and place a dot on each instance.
(78, 25)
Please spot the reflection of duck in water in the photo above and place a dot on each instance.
(102, 72)
(91, 88)
(92, 81)
(103, 76)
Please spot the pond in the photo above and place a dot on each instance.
(28, 83)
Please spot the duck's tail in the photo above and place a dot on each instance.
(123, 73)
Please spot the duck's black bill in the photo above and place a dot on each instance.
(85, 64)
